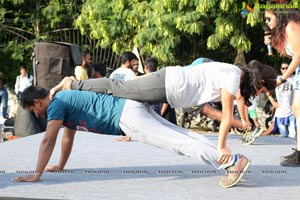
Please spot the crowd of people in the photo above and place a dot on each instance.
(134, 106)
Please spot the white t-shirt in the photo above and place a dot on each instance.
(22, 83)
(190, 86)
(284, 96)
(122, 74)
(254, 104)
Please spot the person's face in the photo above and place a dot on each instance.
(135, 68)
(133, 64)
(23, 72)
(270, 19)
(284, 67)
(38, 109)
(87, 60)
(96, 74)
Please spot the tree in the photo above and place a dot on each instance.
(157, 27)
(22, 23)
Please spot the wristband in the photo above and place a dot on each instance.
(282, 80)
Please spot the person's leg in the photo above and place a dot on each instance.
(143, 124)
(4, 103)
(282, 128)
(182, 115)
(296, 105)
(293, 159)
(215, 114)
(253, 116)
(292, 127)
(146, 89)
(296, 111)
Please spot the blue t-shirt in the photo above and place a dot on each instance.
(87, 111)
(199, 61)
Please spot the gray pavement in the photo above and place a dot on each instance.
(100, 168)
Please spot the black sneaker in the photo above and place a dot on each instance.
(292, 161)
(282, 158)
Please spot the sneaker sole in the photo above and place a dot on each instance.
(254, 138)
(239, 178)
(289, 165)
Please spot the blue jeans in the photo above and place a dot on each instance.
(286, 126)
(4, 101)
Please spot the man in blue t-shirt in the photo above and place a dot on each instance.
(101, 113)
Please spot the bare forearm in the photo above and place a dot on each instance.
(67, 144)
(292, 67)
(223, 132)
(46, 149)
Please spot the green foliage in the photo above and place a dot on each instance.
(22, 23)
(157, 27)
(174, 31)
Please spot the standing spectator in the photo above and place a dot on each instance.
(285, 121)
(285, 38)
(98, 70)
(3, 98)
(81, 72)
(151, 67)
(163, 109)
(252, 111)
(125, 73)
(23, 81)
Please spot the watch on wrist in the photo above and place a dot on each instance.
(282, 80)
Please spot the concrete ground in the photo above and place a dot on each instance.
(100, 168)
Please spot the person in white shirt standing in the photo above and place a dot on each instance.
(125, 73)
(285, 121)
(23, 81)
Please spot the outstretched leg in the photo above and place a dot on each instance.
(150, 88)
(143, 124)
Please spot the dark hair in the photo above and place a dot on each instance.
(2, 78)
(151, 63)
(84, 53)
(128, 56)
(31, 93)
(99, 67)
(23, 67)
(256, 76)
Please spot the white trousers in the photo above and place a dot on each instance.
(142, 124)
